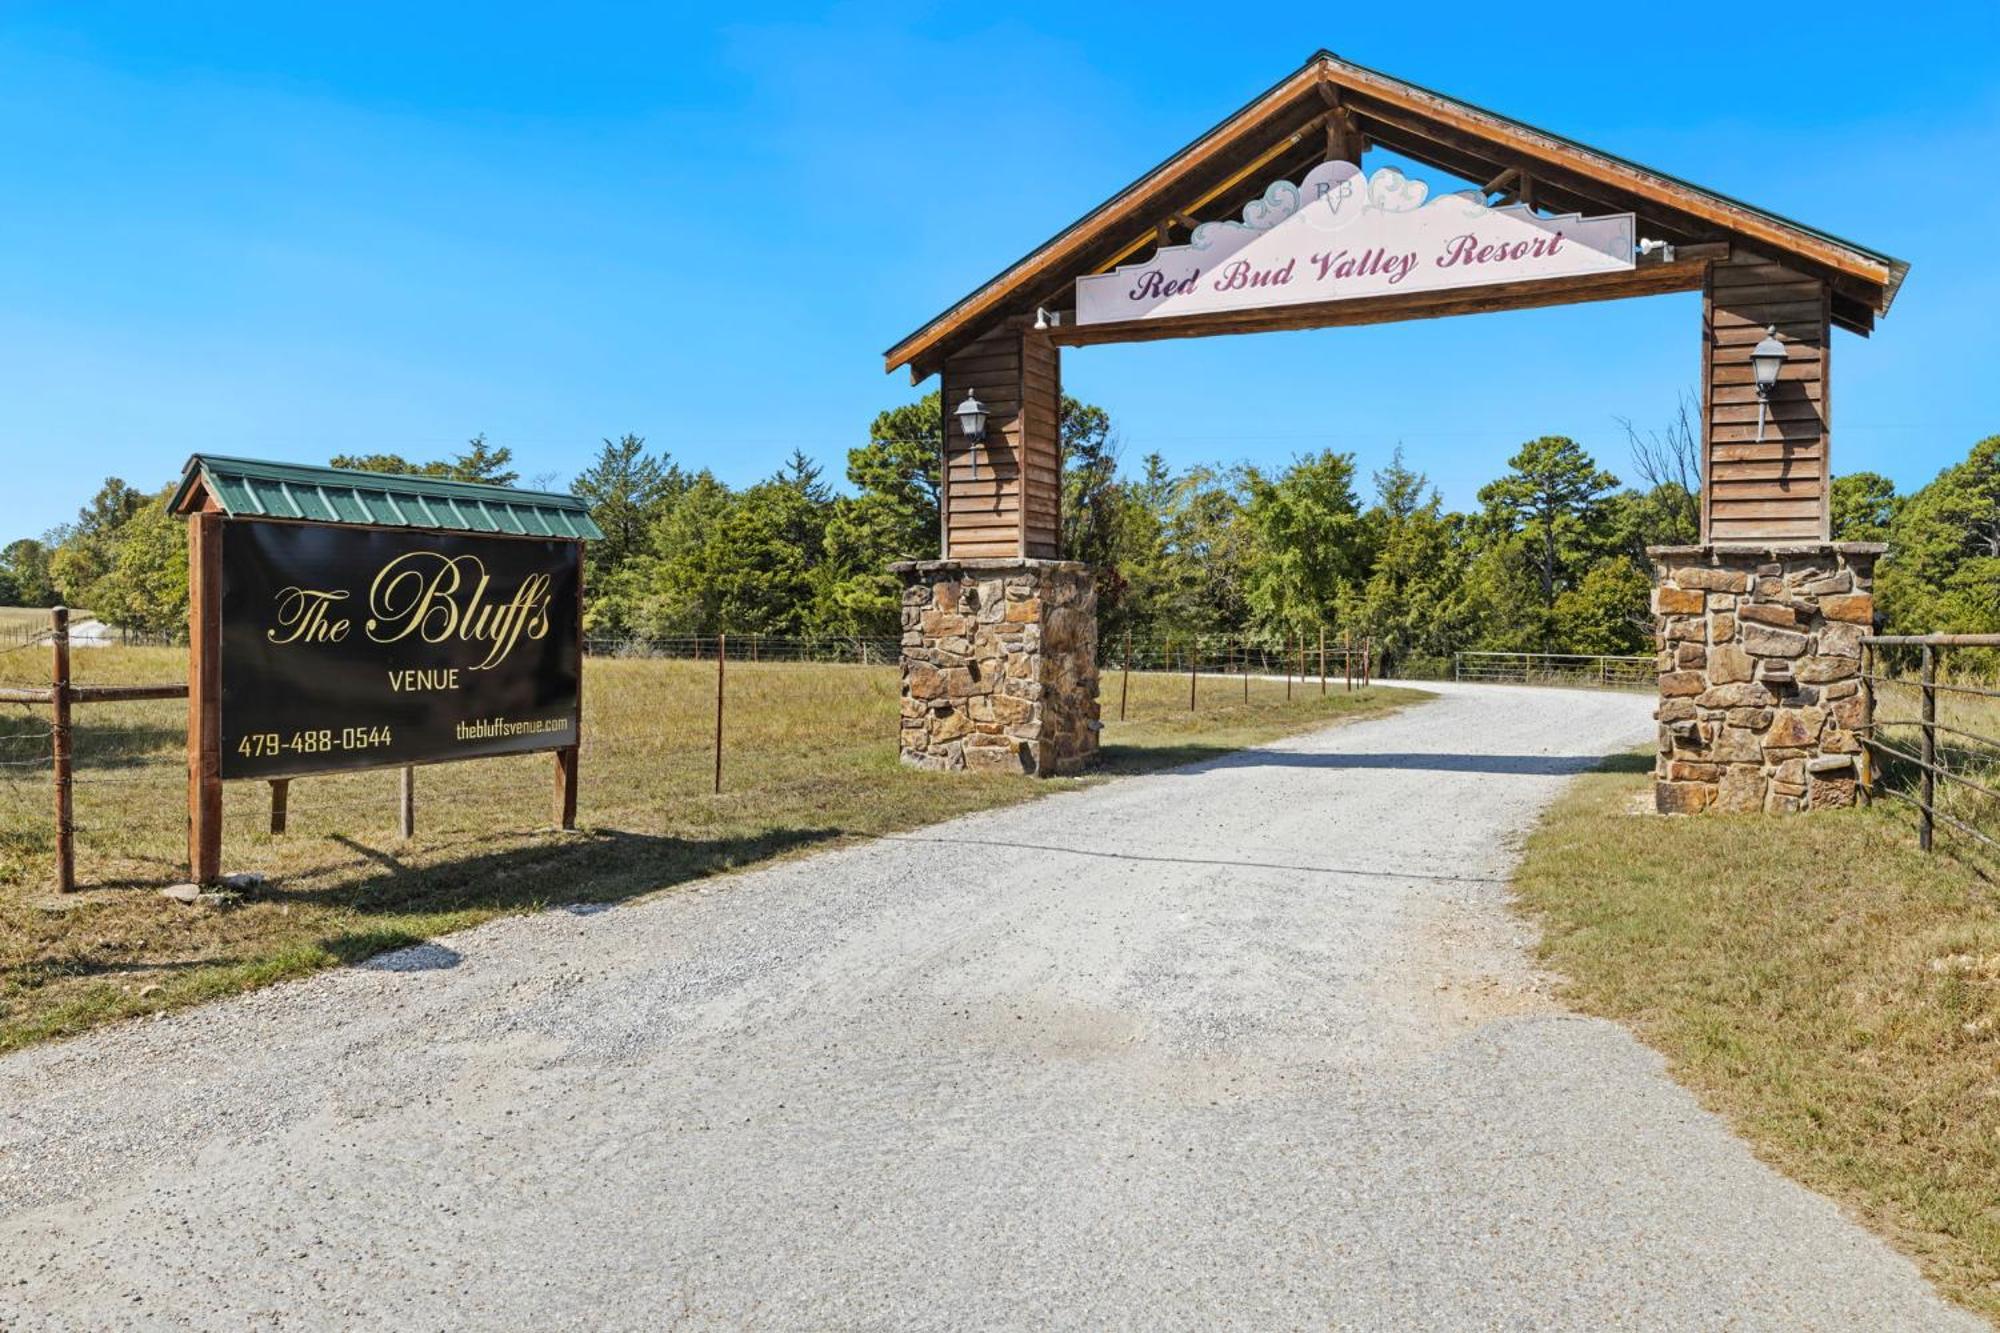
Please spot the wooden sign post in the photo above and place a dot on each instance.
(204, 738)
(342, 620)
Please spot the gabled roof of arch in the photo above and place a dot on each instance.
(1290, 126)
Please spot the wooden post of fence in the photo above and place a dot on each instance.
(1243, 657)
(1287, 651)
(1367, 660)
(721, 662)
(204, 737)
(568, 758)
(60, 748)
(1865, 789)
(1926, 816)
(1194, 664)
(1125, 680)
(1322, 659)
(281, 794)
(406, 802)
(1347, 658)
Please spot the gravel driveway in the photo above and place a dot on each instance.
(1254, 1044)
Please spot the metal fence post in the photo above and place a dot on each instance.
(1865, 789)
(60, 752)
(721, 662)
(1926, 816)
(1125, 680)
(1194, 660)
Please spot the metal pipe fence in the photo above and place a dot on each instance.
(1933, 739)
(1596, 670)
(858, 650)
(93, 769)
(28, 634)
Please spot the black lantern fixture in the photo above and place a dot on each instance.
(972, 423)
(1766, 359)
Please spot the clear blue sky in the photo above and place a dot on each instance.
(295, 230)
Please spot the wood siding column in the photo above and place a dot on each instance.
(1776, 490)
(1003, 499)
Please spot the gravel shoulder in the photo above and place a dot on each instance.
(1253, 1044)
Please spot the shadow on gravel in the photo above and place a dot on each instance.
(602, 866)
(1528, 765)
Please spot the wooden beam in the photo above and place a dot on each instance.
(1204, 153)
(1260, 162)
(1575, 159)
(1573, 192)
(1480, 159)
(1649, 281)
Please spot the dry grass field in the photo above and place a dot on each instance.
(18, 620)
(1817, 980)
(1968, 736)
(809, 760)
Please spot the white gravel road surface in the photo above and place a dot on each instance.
(1252, 1045)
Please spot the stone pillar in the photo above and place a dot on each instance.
(1761, 703)
(999, 665)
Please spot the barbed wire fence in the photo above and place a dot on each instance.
(666, 719)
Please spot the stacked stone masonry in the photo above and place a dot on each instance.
(999, 665)
(1762, 705)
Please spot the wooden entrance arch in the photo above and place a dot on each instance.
(1765, 470)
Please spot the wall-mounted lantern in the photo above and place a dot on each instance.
(1766, 359)
(972, 423)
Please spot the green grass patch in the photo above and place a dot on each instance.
(1830, 990)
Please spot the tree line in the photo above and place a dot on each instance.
(1552, 557)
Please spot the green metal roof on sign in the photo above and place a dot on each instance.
(253, 488)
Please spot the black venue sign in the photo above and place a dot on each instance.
(364, 647)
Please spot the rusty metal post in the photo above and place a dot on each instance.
(1125, 679)
(60, 748)
(406, 802)
(1865, 788)
(281, 791)
(1926, 813)
(1194, 664)
(721, 662)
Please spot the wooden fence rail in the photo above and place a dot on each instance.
(61, 695)
(1929, 760)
